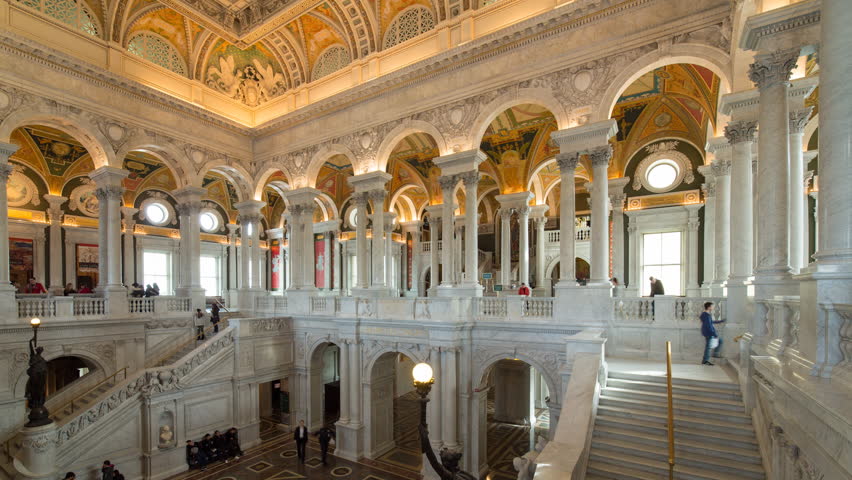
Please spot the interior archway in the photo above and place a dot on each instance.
(393, 413)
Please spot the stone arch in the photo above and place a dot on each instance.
(104, 365)
(398, 195)
(319, 158)
(263, 181)
(170, 157)
(235, 173)
(537, 96)
(96, 143)
(370, 358)
(316, 393)
(404, 129)
(549, 370)
(708, 57)
(810, 129)
(326, 204)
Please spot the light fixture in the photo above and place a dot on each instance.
(35, 322)
(422, 373)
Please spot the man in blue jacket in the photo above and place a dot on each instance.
(709, 332)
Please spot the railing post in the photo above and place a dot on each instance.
(64, 307)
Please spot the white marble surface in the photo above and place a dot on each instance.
(685, 370)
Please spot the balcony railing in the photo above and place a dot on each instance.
(90, 306)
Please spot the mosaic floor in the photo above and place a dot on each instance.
(275, 458)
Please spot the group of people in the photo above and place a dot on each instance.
(325, 436)
(212, 448)
(150, 290)
(200, 321)
(69, 289)
(108, 472)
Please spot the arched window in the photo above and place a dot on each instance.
(409, 24)
(73, 13)
(158, 50)
(331, 60)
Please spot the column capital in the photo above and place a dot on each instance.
(189, 194)
(232, 228)
(539, 221)
(188, 208)
(55, 201)
(412, 226)
(7, 150)
(129, 212)
(809, 175)
(360, 199)
(470, 179)
(448, 183)
(709, 189)
(600, 156)
(249, 207)
(302, 196)
(5, 171)
(740, 131)
(105, 176)
(109, 192)
(721, 167)
(798, 119)
(568, 161)
(774, 68)
(369, 181)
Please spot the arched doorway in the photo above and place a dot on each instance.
(63, 371)
(392, 413)
(324, 384)
(513, 415)
(583, 270)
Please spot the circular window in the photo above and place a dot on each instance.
(157, 213)
(353, 217)
(662, 174)
(208, 222)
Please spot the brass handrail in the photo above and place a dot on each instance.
(184, 344)
(91, 389)
(671, 409)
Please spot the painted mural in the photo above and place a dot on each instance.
(251, 76)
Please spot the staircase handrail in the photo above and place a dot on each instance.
(182, 345)
(91, 389)
(670, 409)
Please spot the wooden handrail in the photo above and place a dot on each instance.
(671, 409)
(91, 389)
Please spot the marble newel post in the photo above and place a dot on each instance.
(798, 120)
(721, 167)
(771, 73)
(524, 244)
(616, 198)
(189, 211)
(600, 158)
(8, 305)
(109, 192)
(567, 213)
(54, 214)
(824, 331)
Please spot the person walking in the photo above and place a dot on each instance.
(198, 320)
(301, 438)
(711, 338)
(214, 317)
(325, 435)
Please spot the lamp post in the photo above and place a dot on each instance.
(36, 390)
(448, 468)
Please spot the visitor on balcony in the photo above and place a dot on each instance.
(34, 287)
(69, 289)
(137, 291)
(711, 338)
(657, 287)
(150, 292)
(84, 288)
(524, 290)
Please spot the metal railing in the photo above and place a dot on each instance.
(671, 409)
(90, 390)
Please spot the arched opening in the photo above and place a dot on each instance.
(63, 371)
(324, 387)
(393, 413)
(513, 415)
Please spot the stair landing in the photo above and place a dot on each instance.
(680, 369)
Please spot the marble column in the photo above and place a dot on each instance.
(722, 245)
(708, 188)
(634, 288)
(109, 181)
(692, 225)
(740, 135)
(249, 219)
(336, 264)
(524, 245)
(806, 226)
(378, 198)
(470, 180)
(344, 382)
(600, 158)
(189, 213)
(389, 250)
(448, 186)
(567, 213)
(327, 259)
(413, 228)
(361, 266)
(354, 383)
(539, 223)
(449, 398)
(505, 248)
(232, 257)
(54, 214)
(771, 73)
(308, 251)
(458, 250)
(798, 120)
(617, 198)
(8, 305)
(436, 405)
(434, 246)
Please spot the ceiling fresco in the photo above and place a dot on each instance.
(333, 179)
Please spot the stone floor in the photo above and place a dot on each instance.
(693, 371)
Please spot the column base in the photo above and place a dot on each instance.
(350, 441)
(589, 304)
(116, 299)
(474, 290)
(196, 295)
(35, 460)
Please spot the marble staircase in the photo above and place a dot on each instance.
(714, 438)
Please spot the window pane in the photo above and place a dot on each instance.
(652, 249)
(670, 252)
(156, 270)
(650, 271)
(210, 275)
(670, 275)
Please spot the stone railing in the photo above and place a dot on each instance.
(426, 247)
(665, 309)
(36, 307)
(89, 307)
(140, 305)
(580, 234)
(320, 305)
(490, 307)
(781, 324)
(538, 307)
(633, 309)
(85, 306)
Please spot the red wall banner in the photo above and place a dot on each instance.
(319, 261)
(275, 250)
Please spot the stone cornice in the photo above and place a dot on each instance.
(785, 20)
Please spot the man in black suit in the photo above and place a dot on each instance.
(657, 287)
(325, 435)
(301, 438)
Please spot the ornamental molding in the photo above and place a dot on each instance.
(159, 198)
(740, 131)
(267, 325)
(772, 69)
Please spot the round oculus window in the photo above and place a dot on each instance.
(662, 174)
(157, 213)
(208, 221)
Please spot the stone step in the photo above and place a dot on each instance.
(704, 461)
(679, 400)
(646, 386)
(745, 452)
(686, 382)
(623, 466)
(705, 423)
(643, 406)
(745, 440)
